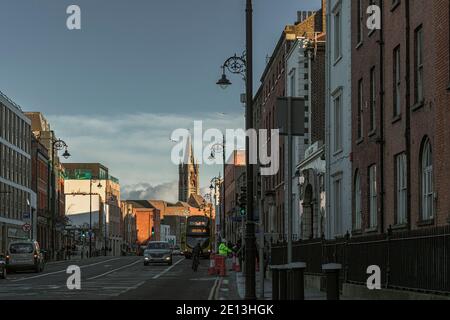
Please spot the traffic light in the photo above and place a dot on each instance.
(243, 201)
(153, 231)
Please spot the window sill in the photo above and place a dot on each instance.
(396, 118)
(418, 105)
(372, 230)
(359, 45)
(360, 140)
(337, 152)
(400, 227)
(425, 223)
(395, 5)
(337, 60)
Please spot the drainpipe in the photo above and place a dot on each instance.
(407, 113)
(327, 125)
(381, 121)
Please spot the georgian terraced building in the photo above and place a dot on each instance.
(400, 116)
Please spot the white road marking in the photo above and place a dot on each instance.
(114, 270)
(62, 271)
(168, 269)
(213, 289)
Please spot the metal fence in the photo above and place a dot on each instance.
(410, 260)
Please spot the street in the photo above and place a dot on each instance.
(106, 278)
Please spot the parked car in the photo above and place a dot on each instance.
(158, 252)
(2, 267)
(25, 255)
(176, 251)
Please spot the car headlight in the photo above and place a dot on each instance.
(168, 258)
(146, 258)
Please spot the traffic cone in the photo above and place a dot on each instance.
(212, 266)
(237, 267)
(234, 262)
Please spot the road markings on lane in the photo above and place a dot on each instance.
(114, 270)
(168, 269)
(62, 271)
(212, 293)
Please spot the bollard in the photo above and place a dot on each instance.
(283, 283)
(298, 280)
(332, 273)
(289, 286)
(275, 283)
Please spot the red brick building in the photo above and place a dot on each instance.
(273, 86)
(400, 120)
(234, 172)
(147, 219)
(367, 131)
(40, 185)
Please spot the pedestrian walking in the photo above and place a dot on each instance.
(196, 253)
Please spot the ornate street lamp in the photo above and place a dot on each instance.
(235, 65)
(244, 65)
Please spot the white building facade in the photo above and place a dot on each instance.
(297, 83)
(338, 119)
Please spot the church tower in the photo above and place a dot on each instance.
(188, 181)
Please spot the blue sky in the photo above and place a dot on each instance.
(137, 70)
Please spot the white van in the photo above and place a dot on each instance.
(24, 255)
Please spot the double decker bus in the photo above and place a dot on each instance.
(198, 230)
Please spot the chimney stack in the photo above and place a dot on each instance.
(303, 15)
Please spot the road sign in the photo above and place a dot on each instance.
(26, 227)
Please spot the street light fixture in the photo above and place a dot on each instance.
(56, 146)
(238, 65)
(235, 65)
(224, 82)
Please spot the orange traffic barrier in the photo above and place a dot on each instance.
(221, 265)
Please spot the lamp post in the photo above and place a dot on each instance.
(215, 182)
(90, 213)
(214, 149)
(56, 145)
(237, 65)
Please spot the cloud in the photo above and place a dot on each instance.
(145, 191)
(136, 147)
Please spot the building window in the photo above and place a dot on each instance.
(427, 181)
(418, 65)
(337, 33)
(373, 206)
(357, 197)
(360, 108)
(397, 83)
(401, 189)
(338, 123)
(337, 208)
(373, 99)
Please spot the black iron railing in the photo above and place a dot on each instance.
(411, 260)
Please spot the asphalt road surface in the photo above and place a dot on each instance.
(106, 278)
